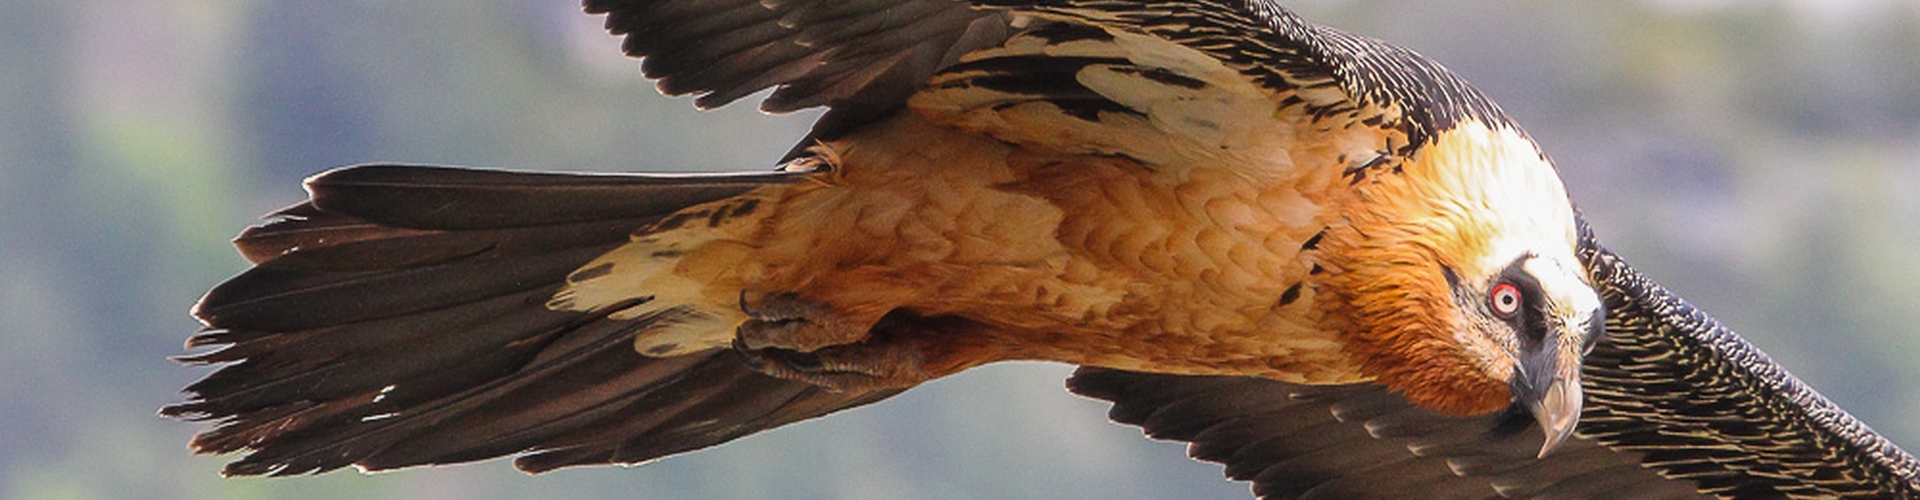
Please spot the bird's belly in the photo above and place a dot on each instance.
(1086, 260)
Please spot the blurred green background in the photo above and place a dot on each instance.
(1760, 158)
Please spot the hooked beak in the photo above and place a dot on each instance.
(1557, 408)
(1548, 385)
(1547, 377)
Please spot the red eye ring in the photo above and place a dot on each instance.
(1505, 300)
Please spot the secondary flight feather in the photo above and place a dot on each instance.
(1206, 194)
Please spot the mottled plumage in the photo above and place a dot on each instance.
(1189, 188)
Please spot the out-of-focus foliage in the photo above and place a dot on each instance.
(1761, 158)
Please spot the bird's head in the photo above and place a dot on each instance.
(1458, 283)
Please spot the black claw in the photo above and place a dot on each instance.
(778, 320)
(773, 359)
(800, 361)
(749, 356)
(746, 308)
(755, 334)
(778, 307)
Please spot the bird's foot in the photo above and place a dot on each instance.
(792, 338)
(899, 350)
(785, 321)
(854, 367)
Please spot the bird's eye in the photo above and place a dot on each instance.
(1505, 299)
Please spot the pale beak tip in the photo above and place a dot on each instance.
(1558, 413)
(1554, 438)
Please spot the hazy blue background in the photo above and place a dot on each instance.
(1761, 158)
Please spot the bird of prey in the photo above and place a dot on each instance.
(1325, 260)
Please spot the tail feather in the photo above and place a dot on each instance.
(400, 317)
(335, 362)
(431, 197)
(270, 299)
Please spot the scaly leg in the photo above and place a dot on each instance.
(901, 350)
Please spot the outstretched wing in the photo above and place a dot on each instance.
(1677, 407)
(1708, 407)
(1172, 64)
(1362, 442)
(817, 52)
(862, 57)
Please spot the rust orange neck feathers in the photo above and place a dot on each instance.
(1473, 202)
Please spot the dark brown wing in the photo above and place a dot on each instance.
(398, 318)
(1708, 407)
(864, 58)
(819, 52)
(1361, 442)
(1677, 407)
